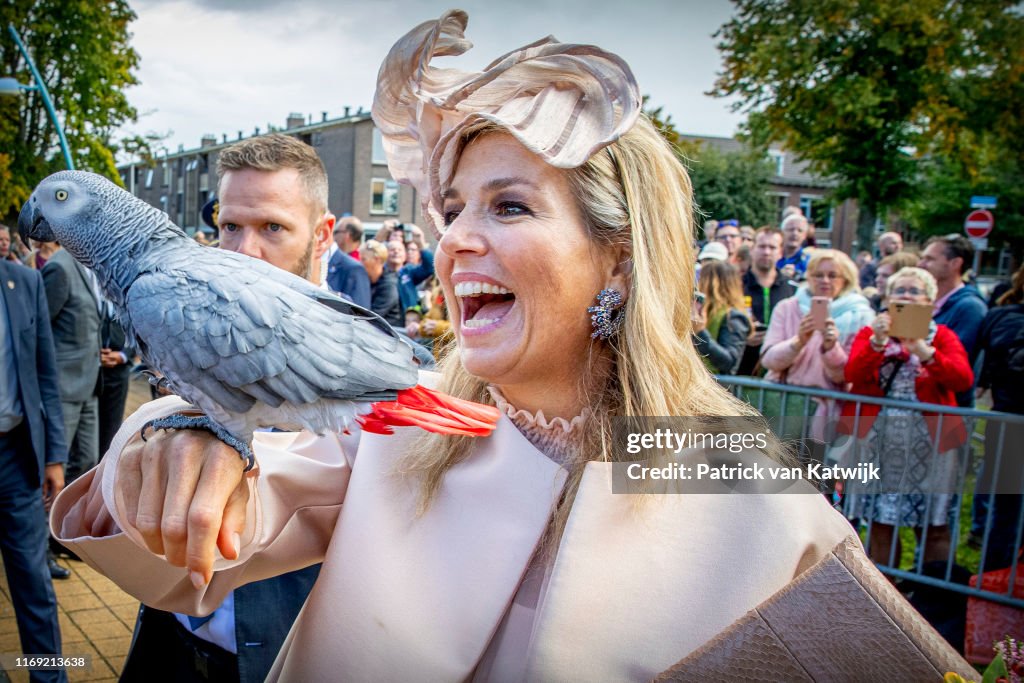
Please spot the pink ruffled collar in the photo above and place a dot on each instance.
(537, 419)
(556, 438)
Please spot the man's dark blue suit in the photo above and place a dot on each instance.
(264, 612)
(25, 451)
(348, 276)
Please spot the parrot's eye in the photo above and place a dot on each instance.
(61, 195)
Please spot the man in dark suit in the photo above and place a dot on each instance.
(32, 456)
(75, 319)
(115, 372)
(347, 276)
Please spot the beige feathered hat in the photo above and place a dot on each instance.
(563, 102)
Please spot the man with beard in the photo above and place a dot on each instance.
(273, 206)
(273, 203)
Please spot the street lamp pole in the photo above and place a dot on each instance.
(47, 102)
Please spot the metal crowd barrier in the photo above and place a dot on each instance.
(990, 471)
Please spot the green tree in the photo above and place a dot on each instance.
(730, 184)
(863, 89)
(82, 50)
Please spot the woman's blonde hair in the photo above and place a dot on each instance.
(844, 263)
(931, 287)
(376, 248)
(637, 195)
(721, 284)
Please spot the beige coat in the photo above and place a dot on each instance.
(633, 589)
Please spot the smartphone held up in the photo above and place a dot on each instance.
(819, 312)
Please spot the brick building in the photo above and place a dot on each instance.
(180, 183)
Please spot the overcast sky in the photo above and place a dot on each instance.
(220, 66)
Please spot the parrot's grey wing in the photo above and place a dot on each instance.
(232, 332)
(349, 308)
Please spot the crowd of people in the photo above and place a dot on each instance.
(784, 273)
(391, 274)
(779, 332)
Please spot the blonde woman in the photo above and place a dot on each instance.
(797, 351)
(720, 325)
(506, 557)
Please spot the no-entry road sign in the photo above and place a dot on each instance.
(979, 223)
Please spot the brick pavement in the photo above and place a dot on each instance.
(96, 617)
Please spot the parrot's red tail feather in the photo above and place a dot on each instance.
(432, 411)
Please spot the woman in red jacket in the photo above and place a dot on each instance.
(903, 443)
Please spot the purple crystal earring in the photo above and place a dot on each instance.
(606, 316)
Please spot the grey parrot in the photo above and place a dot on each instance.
(249, 344)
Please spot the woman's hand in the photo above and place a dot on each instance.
(880, 329)
(830, 335)
(185, 493)
(805, 331)
(920, 348)
(699, 318)
(429, 327)
(413, 330)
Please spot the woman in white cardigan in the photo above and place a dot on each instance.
(506, 557)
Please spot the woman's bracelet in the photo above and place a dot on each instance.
(193, 420)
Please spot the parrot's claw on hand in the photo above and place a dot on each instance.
(179, 421)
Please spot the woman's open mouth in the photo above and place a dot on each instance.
(483, 303)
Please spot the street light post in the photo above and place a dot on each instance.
(11, 86)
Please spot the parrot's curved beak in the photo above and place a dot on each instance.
(32, 223)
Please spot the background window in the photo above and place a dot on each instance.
(384, 196)
(378, 148)
(807, 206)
